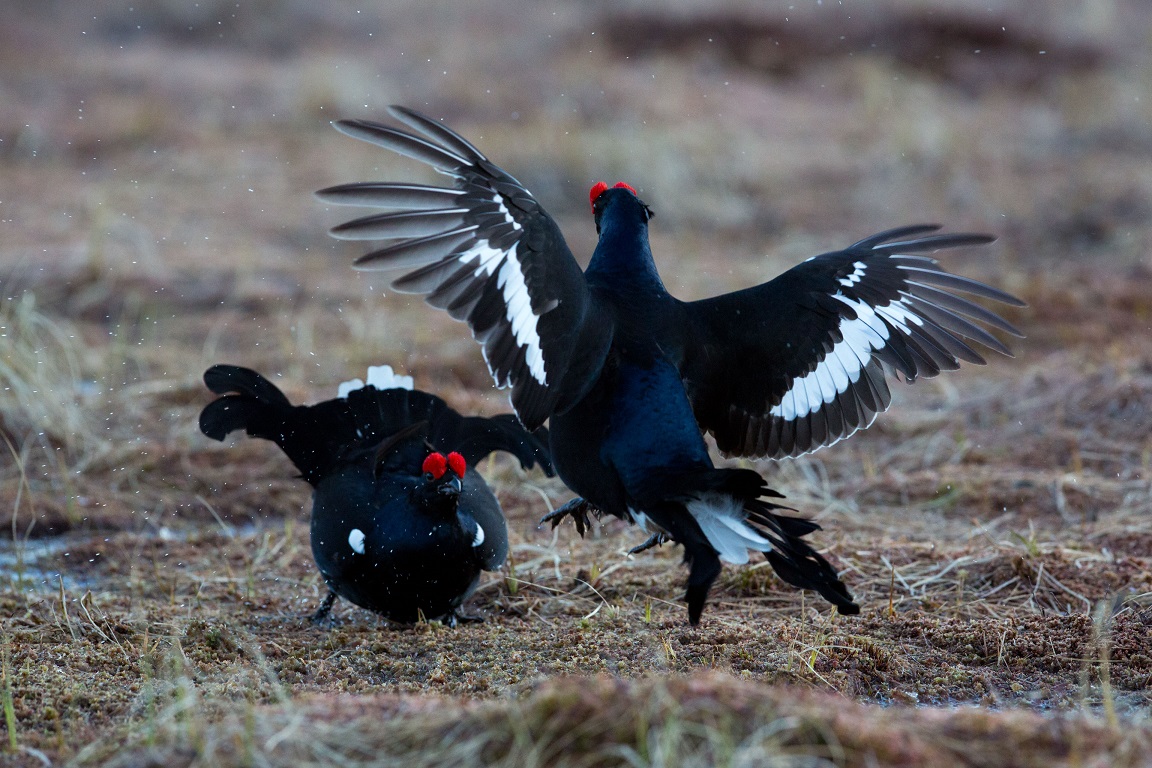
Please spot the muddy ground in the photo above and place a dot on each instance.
(156, 170)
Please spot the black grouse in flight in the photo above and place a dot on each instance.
(402, 524)
(629, 377)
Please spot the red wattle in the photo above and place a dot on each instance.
(598, 189)
(435, 465)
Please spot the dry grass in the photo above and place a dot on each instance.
(706, 720)
(995, 524)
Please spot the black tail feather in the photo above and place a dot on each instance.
(259, 408)
(806, 568)
(794, 560)
(223, 379)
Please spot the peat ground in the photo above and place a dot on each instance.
(156, 167)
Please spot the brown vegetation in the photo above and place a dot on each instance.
(156, 218)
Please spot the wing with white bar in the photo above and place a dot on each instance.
(485, 251)
(801, 362)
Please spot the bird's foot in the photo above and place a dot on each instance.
(654, 540)
(453, 618)
(321, 617)
(578, 509)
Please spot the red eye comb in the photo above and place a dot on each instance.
(435, 465)
(598, 189)
(456, 463)
(622, 185)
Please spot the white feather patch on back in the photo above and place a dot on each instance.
(379, 376)
(721, 518)
(356, 540)
(383, 377)
(346, 387)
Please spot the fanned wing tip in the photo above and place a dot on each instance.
(936, 242)
(400, 225)
(437, 131)
(357, 128)
(442, 157)
(891, 234)
(399, 196)
(414, 253)
(950, 281)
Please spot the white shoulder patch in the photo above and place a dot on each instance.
(478, 539)
(356, 540)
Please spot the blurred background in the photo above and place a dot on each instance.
(157, 162)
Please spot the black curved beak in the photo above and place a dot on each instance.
(450, 486)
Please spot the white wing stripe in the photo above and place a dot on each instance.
(899, 314)
(517, 301)
(823, 373)
(841, 378)
(844, 363)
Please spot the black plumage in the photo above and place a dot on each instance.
(629, 377)
(402, 524)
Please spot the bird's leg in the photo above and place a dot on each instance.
(704, 566)
(321, 614)
(578, 509)
(654, 540)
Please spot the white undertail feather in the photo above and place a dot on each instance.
(349, 386)
(383, 377)
(722, 519)
(379, 376)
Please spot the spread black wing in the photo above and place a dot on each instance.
(485, 251)
(800, 362)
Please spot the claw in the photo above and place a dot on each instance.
(654, 540)
(321, 615)
(578, 509)
(453, 618)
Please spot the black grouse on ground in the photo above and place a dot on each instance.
(629, 376)
(402, 524)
